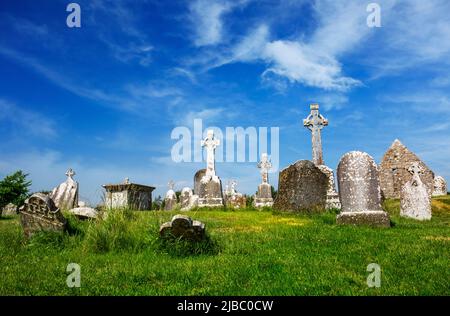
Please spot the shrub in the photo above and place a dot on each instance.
(14, 189)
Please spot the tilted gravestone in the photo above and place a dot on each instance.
(415, 201)
(65, 196)
(39, 213)
(359, 191)
(183, 227)
(84, 212)
(301, 187)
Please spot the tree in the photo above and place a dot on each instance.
(14, 189)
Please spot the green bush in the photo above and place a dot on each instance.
(14, 189)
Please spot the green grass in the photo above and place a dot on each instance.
(247, 252)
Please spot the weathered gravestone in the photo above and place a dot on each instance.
(197, 178)
(301, 187)
(264, 195)
(9, 210)
(414, 199)
(359, 191)
(210, 187)
(128, 195)
(39, 213)
(332, 195)
(233, 198)
(183, 227)
(170, 201)
(394, 170)
(188, 200)
(65, 196)
(440, 186)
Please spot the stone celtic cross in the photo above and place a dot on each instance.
(211, 144)
(70, 173)
(315, 122)
(265, 166)
(416, 170)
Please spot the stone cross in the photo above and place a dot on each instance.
(70, 173)
(315, 122)
(416, 170)
(126, 181)
(265, 166)
(210, 143)
(171, 185)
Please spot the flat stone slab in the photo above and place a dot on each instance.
(370, 218)
(84, 212)
(182, 226)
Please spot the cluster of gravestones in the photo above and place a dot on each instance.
(305, 186)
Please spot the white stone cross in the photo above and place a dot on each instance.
(416, 170)
(265, 165)
(70, 173)
(171, 185)
(126, 181)
(315, 122)
(210, 143)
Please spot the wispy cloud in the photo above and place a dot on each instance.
(27, 121)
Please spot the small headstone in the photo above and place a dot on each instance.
(197, 178)
(39, 213)
(84, 212)
(210, 188)
(233, 198)
(264, 195)
(184, 227)
(332, 195)
(65, 195)
(188, 200)
(170, 201)
(9, 210)
(414, 199)
(359, 191)
(128, 195)
(440, 186)
(301, 187)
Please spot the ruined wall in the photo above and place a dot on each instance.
(394, 173)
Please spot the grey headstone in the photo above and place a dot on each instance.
(301, 187)
(440, 186)
(359, 191)
(197, 178)
(40, 213)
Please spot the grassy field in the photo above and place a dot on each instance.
(248, 253)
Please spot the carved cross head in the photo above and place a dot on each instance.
(415, 169)
(70, 173)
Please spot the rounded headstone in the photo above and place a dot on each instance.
(301, 187)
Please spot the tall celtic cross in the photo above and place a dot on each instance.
(315, 122)
(210, 143)
(265, 166)
(416, 170)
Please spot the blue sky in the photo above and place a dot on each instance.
(104, 98)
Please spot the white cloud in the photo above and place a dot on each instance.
(206, 16)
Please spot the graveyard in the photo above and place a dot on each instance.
(224, 148)
(250, 253)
